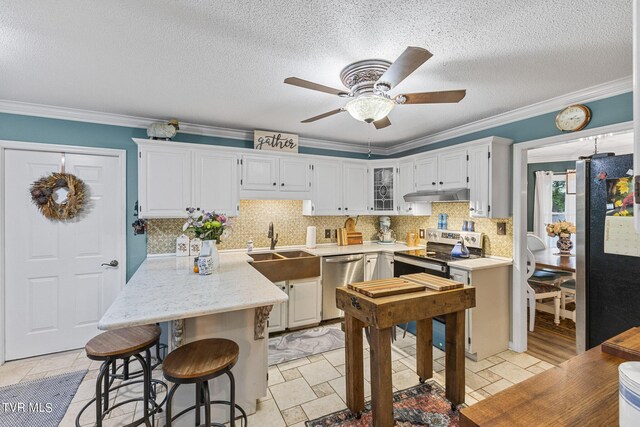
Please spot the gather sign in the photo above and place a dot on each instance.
(275, 141)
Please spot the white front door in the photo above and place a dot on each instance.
(56, 289)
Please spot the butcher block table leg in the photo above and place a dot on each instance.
(454, 353)
(424, 349)
(354, 363)
(381, 389)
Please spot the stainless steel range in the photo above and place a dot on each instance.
(435, 257)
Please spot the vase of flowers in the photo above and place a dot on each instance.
(209, 227)
(563, 230)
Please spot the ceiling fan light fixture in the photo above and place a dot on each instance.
(370, 107)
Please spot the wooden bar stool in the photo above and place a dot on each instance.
(197, 363)
(124, 344)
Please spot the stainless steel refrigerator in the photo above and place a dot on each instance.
(607, 284)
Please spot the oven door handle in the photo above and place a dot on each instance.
(422, 264)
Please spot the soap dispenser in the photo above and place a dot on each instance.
(460, 250)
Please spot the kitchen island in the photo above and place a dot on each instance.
(234, 303)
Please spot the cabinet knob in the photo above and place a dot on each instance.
(433, 183)
(290, 286)
(282, 184)
(346, 209)
(471, 209)
(274, 183)
(339, 209)
(441, 182)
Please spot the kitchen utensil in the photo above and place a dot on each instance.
(433, 282)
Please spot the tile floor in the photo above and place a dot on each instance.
(299, 389)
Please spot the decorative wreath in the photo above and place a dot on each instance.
(43, 195)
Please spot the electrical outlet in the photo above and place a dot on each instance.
(502, 228)
(421, 233)
(327, 233)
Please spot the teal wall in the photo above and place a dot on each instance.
(66, 132)
(616, 109)
(532, 168)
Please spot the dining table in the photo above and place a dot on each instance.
(550, 259)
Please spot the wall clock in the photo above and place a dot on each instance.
(573, 118)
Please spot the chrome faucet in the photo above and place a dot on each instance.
(270, 236)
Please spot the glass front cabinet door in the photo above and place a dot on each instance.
(384, 187)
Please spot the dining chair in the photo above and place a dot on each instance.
(536, 244)
(538, 291)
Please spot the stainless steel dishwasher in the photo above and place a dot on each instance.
(338, 271)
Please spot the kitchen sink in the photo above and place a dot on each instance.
(286, 265)
(269, 256)
(295, 254)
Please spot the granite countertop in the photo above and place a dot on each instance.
(480, 263)
(165, 288)
(371, 247)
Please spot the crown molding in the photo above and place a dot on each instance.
(89, 116)
(601, 91)
(605, 90)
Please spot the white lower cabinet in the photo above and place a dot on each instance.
(303, 307)
(279, 312)
(487, 324)
(385, 265)
(370, 269)
(305, 298)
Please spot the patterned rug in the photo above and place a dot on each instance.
(295, 345)
(419, 406)
(38, 403)
(566, 328)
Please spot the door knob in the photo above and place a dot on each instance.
(113, 263)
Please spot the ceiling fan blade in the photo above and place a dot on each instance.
(322, 116)
(407, 63)
(382, 123)
(441, 97)
(314, 86)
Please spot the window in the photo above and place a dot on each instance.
(558, 198)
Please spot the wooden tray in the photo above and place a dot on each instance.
(433, 282)
(386, 287)
(625, 346)
(354, 238)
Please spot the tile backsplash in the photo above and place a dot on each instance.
(291, 226)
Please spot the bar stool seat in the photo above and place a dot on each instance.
(197, 363)
(200, 360)
(124, 343)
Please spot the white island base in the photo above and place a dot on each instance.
(250, 371)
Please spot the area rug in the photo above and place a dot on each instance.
(422, 405)
(566, 328)
(38, 403)
(295, 345)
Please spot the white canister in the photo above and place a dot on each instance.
(182, 245)
(629, 393)
(195, 246)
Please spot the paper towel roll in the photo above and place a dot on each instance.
(311, 237)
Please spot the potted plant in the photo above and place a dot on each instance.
(563, 230)
(209, 227)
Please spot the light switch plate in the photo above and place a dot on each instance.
(421, 233)
(327, 233)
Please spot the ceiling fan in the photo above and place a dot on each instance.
(369, 82)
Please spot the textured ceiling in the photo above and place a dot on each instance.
(222, 63)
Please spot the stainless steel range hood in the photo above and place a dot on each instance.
(453, 195)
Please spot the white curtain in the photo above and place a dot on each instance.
(542, 205)
(570, 211)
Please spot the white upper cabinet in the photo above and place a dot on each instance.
(383, 188)
(490, 178)
(215, 182)
(406, 184)
(452, 169)
(295, 174)
(426, 173)
(259, 173)
(164, 181)
(355, 188)
(327, 189)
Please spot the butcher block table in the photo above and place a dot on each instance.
(381, 314)
(583, 391)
